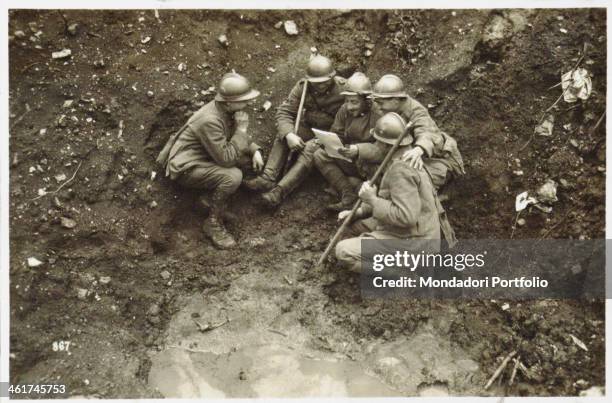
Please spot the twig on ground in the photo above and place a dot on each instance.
(598, 122)
(514, 225)
(28, 66)
(94, 34)
(20, 118)
(557, 224)
(65, 22)
(525, 370)
(191, 350)
(572, 107)
(61, 186)
(500, 369)
(209, 326)
(584, 48)
(277, 332)
(517, 361)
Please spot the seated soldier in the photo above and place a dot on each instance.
(210, 150)
(352, 124)
(322, 101)
(406, 206)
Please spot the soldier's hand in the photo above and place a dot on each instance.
(367, 192)
(258, 163)
(294, 142)
(343, 214)
(351, 151)
(242, 120)
(414, 157)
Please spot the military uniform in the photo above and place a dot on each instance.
(319, 109)
(319, 113)
(406, 208)
(351, 130)
(441, 156)
(206, 153)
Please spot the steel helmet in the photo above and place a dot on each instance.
(389, 127)
(389, 86)
(357, 84)
(235, 88)
(320, 69)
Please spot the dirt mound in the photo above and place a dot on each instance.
(111, 283)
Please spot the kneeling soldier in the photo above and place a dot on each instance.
(352, 124)
(406, 206)
(212, 147)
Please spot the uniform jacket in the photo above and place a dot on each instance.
(405, 207)
(208, 136)
(319, 110)
(352, 129)
(426, 133)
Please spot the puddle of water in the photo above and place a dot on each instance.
(265, 351)
(255, 372)
(435, 390)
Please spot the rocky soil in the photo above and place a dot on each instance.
(119, 249)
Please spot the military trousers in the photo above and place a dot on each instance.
(222, 181)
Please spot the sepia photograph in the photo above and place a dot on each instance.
(305, 203)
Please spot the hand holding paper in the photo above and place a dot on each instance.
(331, 142)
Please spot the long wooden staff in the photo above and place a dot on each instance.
(349, 218)
(296, 126)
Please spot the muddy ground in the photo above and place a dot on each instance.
(122, 252)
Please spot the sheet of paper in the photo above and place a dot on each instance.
(331, 142)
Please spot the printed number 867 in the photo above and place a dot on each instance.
(61, 345)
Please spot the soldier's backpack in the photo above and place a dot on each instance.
(452, 154)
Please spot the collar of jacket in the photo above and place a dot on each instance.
(222, 110)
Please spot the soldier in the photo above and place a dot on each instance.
(323, 99)
(209, 151)
(353, 123)
(406, 206)
(440, 149)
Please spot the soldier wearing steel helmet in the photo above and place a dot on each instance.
(352, 123)
(405, 207)
(438, 148)
(322, 102)
(212, 148)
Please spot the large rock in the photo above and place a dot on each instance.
(500, 28)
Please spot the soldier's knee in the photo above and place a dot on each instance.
(348, 253)
(345, 251)
(231, 178)
(341, 254)
(319, 157)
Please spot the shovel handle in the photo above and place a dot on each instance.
(377, 174)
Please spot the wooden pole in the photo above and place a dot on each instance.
(377, 174)
(296, 126)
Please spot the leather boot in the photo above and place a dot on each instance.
(298, 172)
(339, 181)
(276, 160)
(204, 203)
(274, 165)
(346, 202)
(259, 184)
(213, 226)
